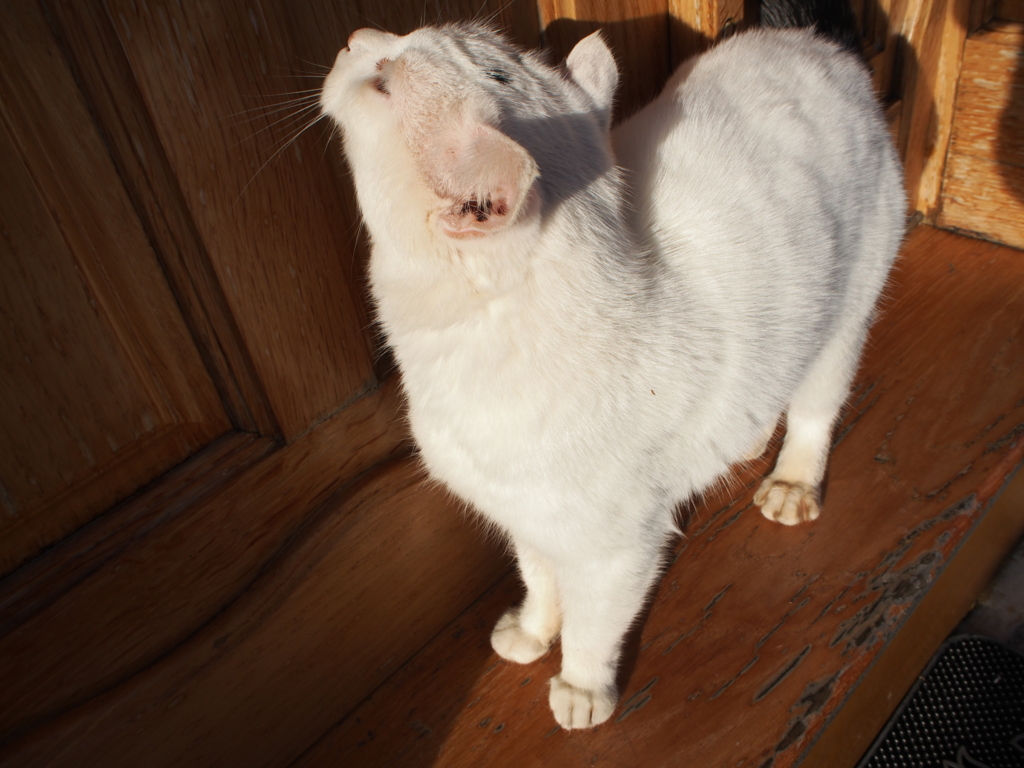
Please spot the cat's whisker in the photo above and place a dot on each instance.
(495, 14)
(301, 114)
(330, 133)
(281, 149)
(358, 239)
(296, 73)
(370, 21)
(284, 93)
(314, 64)
(270, 109)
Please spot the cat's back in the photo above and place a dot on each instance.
(769, 150)
(762, 104)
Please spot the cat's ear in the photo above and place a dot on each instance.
(592, 66)
(484, 176)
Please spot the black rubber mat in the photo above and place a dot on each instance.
(966, 711)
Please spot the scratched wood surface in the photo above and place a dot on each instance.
(758, 633)
(983, 190)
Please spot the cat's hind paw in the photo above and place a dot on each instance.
(510, 641)
(579, 707)
(787, 503)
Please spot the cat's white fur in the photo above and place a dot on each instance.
(583, 346)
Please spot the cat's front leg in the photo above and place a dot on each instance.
(600, 600)
(525, 633)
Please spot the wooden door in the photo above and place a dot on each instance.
(192, 409)
(103, 386)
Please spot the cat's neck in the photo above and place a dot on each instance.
(425, 283)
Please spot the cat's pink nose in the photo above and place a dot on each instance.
(362, 39)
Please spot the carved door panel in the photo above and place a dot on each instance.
(102, 385)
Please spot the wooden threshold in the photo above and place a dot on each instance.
(876, 697)
(758, 634)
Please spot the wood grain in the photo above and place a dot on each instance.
(881, 25)
(989, 117)
(103, 388)
(1010, 10)
(934, 32)
(982, 12)
(104, 606)
(984, 197)
(382, 570)
(757, 634)
(697, 25)
(266, 210)
(955, 592)
(104, 73)
(983, 188)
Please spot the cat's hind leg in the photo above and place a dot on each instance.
(525, 632)
(789, 495)
(762, 443)
(601, 598)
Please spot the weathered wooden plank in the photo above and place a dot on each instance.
(43, 580)
(757, 634)
(983, 189)
(989, 117)
(984, 197)
(101, 607)
(934, 33)
(869, 707)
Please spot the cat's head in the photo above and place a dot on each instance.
(457, 124)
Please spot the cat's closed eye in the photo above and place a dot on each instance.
(500, 76)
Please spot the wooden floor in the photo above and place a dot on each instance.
(757, 638)
(758, 633)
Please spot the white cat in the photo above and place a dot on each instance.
(583, 346)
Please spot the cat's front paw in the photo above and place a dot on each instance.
(510, 641)
(579, 707)
(787, 503)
